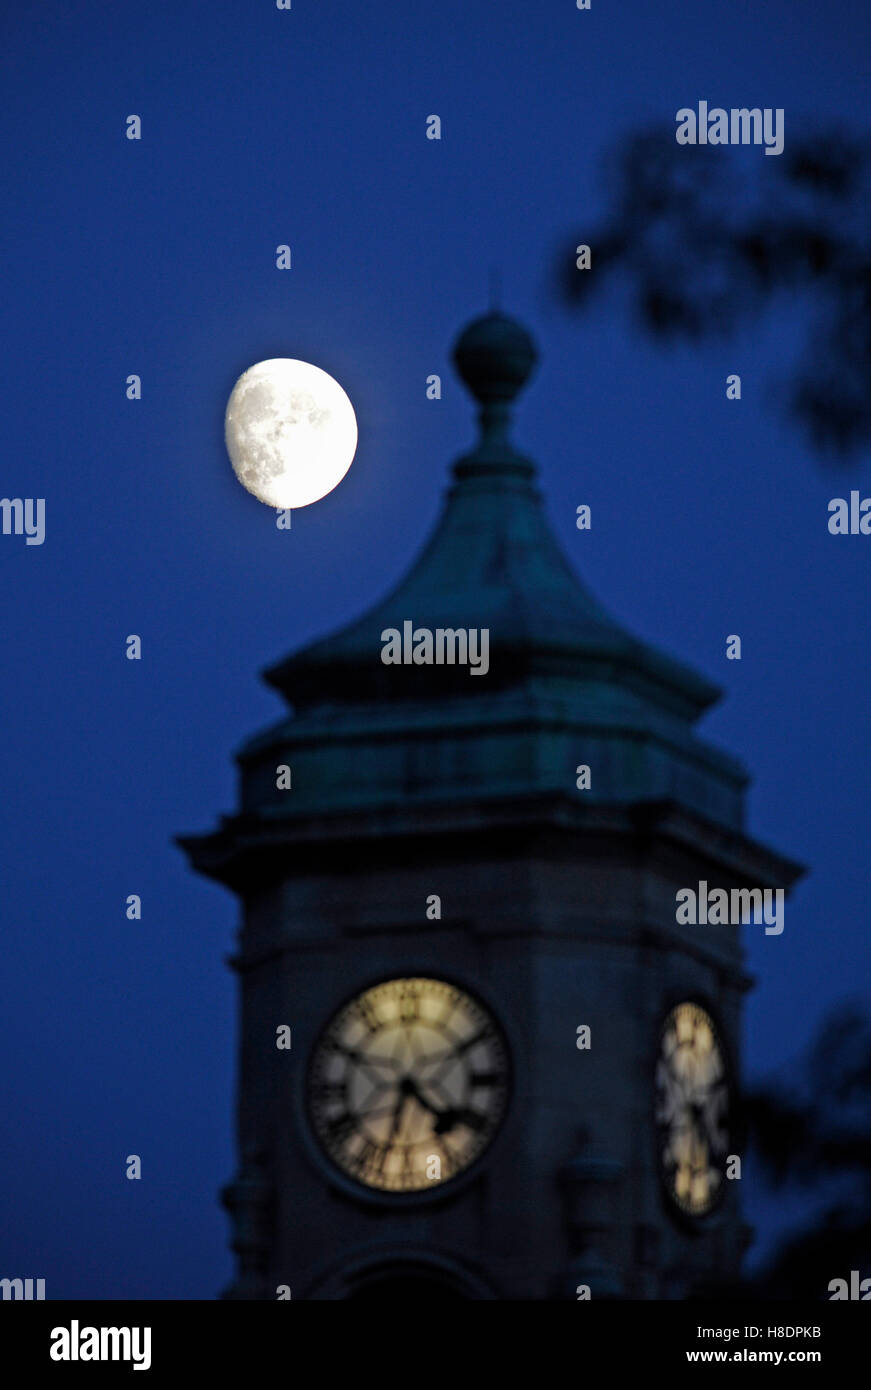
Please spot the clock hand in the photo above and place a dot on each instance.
(710, 1126)
(410, 1089)
(459, 1115)
(448, 1118)
(398, 1110)
(459, 1050)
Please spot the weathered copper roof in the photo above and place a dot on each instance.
(491, 562)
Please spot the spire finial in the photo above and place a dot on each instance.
(494, 356)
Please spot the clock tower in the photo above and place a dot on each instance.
(480, 1056)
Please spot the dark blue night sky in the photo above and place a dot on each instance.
(262, 127)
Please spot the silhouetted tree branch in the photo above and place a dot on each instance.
(703, 246)
(816, 1137)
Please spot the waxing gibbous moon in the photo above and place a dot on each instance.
(291, 432)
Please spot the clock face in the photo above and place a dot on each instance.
(692, 1109)
(408, 1084)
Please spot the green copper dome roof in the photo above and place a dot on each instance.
(491, 562)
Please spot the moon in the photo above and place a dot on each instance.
(290, 431)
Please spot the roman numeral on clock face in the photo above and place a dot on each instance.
(370, 1157)
(409, 1008)
(479, 1037)
(365, 1011)
(340, 1127)
(328, 1092)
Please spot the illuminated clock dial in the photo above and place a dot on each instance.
(692, 1109)
(408, 1084)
